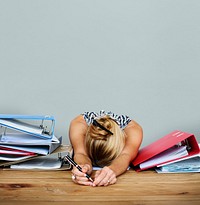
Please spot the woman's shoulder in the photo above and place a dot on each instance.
(135, 124)
(134, 127)
(78, 119)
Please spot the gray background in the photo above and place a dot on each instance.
(139, 58)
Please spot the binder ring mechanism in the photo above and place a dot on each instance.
(31, 124)
(4, 129)
(45, 129)
(63, 159)
(185, 143)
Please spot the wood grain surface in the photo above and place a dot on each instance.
(56, 187)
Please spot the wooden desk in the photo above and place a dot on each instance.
(56, 187)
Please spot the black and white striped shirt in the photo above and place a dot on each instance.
(122, 120)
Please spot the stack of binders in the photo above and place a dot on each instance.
(176, 152)
(26, 137)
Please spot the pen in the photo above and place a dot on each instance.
(72, 162)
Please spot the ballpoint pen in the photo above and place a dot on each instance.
(72, 162)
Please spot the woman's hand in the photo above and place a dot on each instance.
(104, 177)
(80, 177)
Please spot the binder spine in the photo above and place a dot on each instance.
(42, 130)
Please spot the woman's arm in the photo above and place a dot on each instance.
(77, 132)
(107, 175)
(134, 138)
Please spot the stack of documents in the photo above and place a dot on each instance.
(168, 155)
(54, 161)
(183, 166)
(44, 163)
(170, 148)
(23, 137)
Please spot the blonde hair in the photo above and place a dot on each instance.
(103, 147)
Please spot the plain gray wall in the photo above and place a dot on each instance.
(140, 58)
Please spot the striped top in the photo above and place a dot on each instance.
(122, 120)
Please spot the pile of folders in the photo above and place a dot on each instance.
(26, 138)
(177, 152)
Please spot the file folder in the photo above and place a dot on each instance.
(5, 151)
(32, 162)
(30, 144)
(176, 138)
(38, 125)
(184, 166)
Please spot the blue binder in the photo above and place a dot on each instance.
(37, 125)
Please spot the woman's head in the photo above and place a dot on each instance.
(102, 146)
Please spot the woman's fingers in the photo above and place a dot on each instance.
(79, 177)
(104, 177)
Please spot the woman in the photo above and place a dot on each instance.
(105, 140)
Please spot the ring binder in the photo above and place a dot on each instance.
(150, 152)
(27, 137)
(21, 164)
(44, 128)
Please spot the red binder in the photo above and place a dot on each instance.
(10, 151)
(174, 139)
